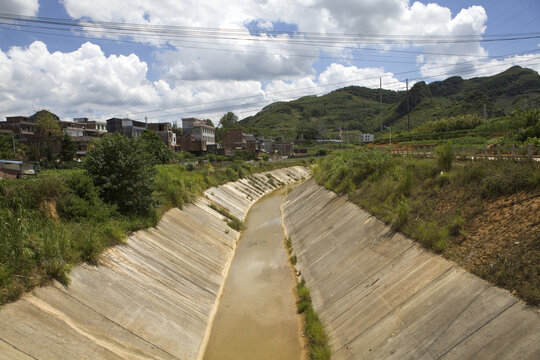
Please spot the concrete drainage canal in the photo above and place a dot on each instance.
(256, 317)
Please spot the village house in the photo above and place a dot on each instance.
(126, 127)
(165, 132)
(199, 130)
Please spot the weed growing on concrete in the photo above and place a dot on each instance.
(293, 259)
(315, 331)
(289, 244)
(232, 221)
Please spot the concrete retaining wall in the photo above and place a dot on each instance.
(154, 297)
(382, 296)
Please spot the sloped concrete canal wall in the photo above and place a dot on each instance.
(153, 298)
(382, 296)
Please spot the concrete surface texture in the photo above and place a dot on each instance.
(382, 296)
(153, 298)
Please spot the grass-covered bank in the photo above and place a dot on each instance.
(50, 223)
(483, 215)
(317, 337)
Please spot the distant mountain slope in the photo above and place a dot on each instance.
(358, 108)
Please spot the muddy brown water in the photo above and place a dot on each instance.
(256, 317)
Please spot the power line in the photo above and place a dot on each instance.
(228, 107)
(243, 48)
(319, 39)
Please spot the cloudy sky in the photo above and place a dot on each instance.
(167, 59)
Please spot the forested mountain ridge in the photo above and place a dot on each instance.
(358, 108)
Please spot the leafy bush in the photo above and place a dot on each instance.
(431, 235)
(445, 155)
(342, 171)
(122, 171)
(402, 214)
(155, 147)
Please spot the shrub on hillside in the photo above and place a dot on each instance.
(445, 155)
(342, 171)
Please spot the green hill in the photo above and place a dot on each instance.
(358, 108)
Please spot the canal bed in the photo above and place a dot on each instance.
(256, 318)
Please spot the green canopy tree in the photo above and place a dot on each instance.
(229, 120)
(123, 171)
(6, 147)
(154, 146)
(68, 148)
(46, 139)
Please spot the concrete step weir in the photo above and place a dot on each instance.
(153, 298)
(382, 296)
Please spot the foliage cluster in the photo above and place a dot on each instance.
(51, 222)
(342, 171)
(460, 122)
(122, 170)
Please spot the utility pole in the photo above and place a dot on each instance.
(380, 101)
(13, 140)
(408, 120)
(485, 111)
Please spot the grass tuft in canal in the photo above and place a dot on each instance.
(233, 222)
(316, 333)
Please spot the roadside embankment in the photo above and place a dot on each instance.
(154, 297)
(382, 296)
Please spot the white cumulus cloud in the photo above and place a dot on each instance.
(19, 7)
(82, 80)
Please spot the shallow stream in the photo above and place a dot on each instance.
(256, 318)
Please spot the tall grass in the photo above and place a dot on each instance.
(315, 331)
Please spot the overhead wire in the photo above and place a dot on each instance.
(330, 85)
(171, 33)
(267, 102)
(318, 39)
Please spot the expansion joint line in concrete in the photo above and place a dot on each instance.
(151, 293)
(119, 325)
(394, 309)
(16, 348)
(142, 255)
(479, 328)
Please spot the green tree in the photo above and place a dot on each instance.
(6, 147)
(306, 128)
(46, 139)
(209, 122)
(229, 120)
(122, 170)
(154, 146)
(68, 148)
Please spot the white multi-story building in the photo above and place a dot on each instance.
(365, 138)
(199, 130)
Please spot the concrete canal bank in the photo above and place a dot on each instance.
(382, 296)
(154, 297)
